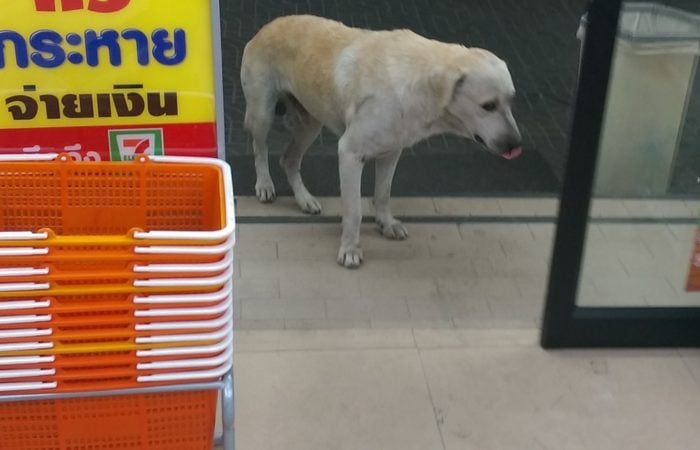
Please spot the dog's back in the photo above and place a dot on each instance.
(289, 50)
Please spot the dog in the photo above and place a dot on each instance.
(380, 92)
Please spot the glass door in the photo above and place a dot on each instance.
(626, 263)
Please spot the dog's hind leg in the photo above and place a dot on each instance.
(305, 129)
(259, 114)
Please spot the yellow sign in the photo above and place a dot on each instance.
(86, 62)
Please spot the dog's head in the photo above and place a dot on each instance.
(478, 94)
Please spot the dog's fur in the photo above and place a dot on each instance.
(380, 91)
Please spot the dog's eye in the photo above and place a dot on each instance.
(489, 106)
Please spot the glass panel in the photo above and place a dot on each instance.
(643, 219)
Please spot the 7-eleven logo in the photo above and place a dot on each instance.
(125, 145)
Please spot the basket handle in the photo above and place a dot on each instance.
(186, 376)
(24, 251)
(184, 311)
(25, 346)
(186, 298)
(7, 287)
(187, 250)
(24, 373)
(186, 282)
(169, 338)
(230, 213)
(16, 320)
(15, 360)
(196, 350)
(22, 333)
(24, 304)
(23, 271)
(29, 157)
(176, 268)
(10, 387)
(154, 326)
(184, 363)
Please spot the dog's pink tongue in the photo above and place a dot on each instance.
(513, 153)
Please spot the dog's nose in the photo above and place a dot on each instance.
(514, 143)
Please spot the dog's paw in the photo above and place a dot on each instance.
(395, 230)
(265, 191)
(350, 257)
(309, 204)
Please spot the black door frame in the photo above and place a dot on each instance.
(565, 324)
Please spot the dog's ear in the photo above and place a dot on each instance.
(458, 85)
(445, 85)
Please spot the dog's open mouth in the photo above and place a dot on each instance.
(512, 153)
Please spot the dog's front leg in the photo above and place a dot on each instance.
(350, 166)
(384, 174)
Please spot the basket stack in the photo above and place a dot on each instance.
(114, 275)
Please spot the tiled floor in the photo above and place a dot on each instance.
(490, 264)
(457, 389)
(433, 343)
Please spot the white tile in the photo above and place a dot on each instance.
(468, 206)
(693, 206)
(615, 232)
(543, 232)
(433, 232)
(253, 250)
(516, 308)
(333, 206)
(368, 307)
(326, 324)
(266, 287)
(411, 206)
(684, 233)
(305, 248)
(496, 231)
(608, 208)
(247, 206)
(527, 249)
(511, 266)
(320, 286)
(261, 232)
(412, 324)
(691, 358)
(524, 336)
(257, 324)
(370, 400)
(435, 267)
(657, 208)
(440, 308)
(300, 308)
(522, 398)
(482, 287)
(467, 248)
(498, 323)
(529, 207)
(376, 246)
(289, 340)
(415, 287)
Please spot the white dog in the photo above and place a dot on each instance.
(380, 91)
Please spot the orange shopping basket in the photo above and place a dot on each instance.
(157, 421)
(51, 200)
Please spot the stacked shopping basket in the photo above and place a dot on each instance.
(114, 275)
